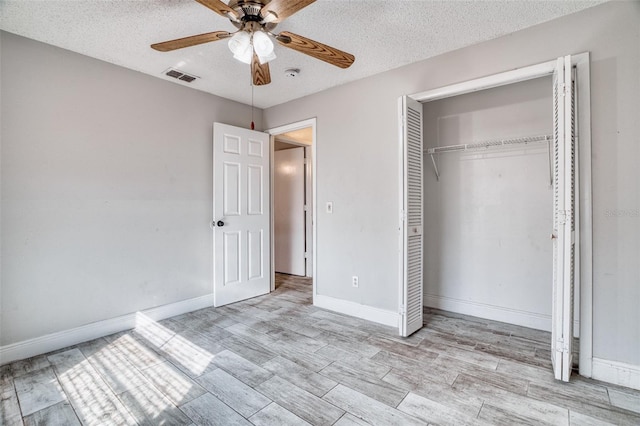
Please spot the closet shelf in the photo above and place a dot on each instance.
(483, 145)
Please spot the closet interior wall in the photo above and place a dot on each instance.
(488, 218)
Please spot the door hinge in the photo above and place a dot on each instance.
(403, 215)
(559, 344)
(402, 310)
(306, 254)
(564, 216)
(306, 208)
(562, 346)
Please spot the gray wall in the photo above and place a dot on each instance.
(358, 162)
(106, 189)
(488, 217)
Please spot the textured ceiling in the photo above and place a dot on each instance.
(381, 34)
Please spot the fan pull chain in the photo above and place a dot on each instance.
(253, 126)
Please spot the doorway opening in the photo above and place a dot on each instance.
(293, 203)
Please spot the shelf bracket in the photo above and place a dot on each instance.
(435, 167)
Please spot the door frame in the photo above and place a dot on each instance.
(311, 122)
(584, 213)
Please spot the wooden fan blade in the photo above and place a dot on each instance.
(220, 8)
(318, 50)
(190, 41)
(260, 72)
(278, 10)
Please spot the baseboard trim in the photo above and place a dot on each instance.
(62, 339)
(617, 373)
(357, 310)
(492, 312)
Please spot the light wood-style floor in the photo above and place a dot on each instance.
(278, 360)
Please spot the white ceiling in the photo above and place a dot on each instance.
(381, 34)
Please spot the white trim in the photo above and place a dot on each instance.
(491, 312)
(581, 61)
(583, 94)
(495, 80)
(357, 310)
(74, 336)
(311, 122)
(618, 373)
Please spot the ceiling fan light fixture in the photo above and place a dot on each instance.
(239, 42)
(262, 44)
(245, 56)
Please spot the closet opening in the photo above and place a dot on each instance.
(504, 211)
(488, 209)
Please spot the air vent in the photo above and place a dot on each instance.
(171, 72)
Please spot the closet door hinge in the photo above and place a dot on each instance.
(564, 216)
(563, 89)
(402, 310)
(403, 215)
(562, 346)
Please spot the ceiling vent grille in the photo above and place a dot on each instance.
(172, 72)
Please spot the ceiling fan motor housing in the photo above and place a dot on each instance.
(249, 12)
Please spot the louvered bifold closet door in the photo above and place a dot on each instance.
(412, 217)
(563, 219)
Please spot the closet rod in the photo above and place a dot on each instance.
(485, 144)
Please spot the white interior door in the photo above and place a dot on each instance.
(411, 216)
(241, 209)
(563, 235)
(289, 212)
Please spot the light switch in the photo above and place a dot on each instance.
(329, 207)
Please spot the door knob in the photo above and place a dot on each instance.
(220, 223)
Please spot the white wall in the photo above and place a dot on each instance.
(357, 161)
(106, 189)
(288, 209)
(488, 218)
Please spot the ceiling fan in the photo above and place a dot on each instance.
(251, 43)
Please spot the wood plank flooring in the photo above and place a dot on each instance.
(278, 360)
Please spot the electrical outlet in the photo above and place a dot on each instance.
(354, 281)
